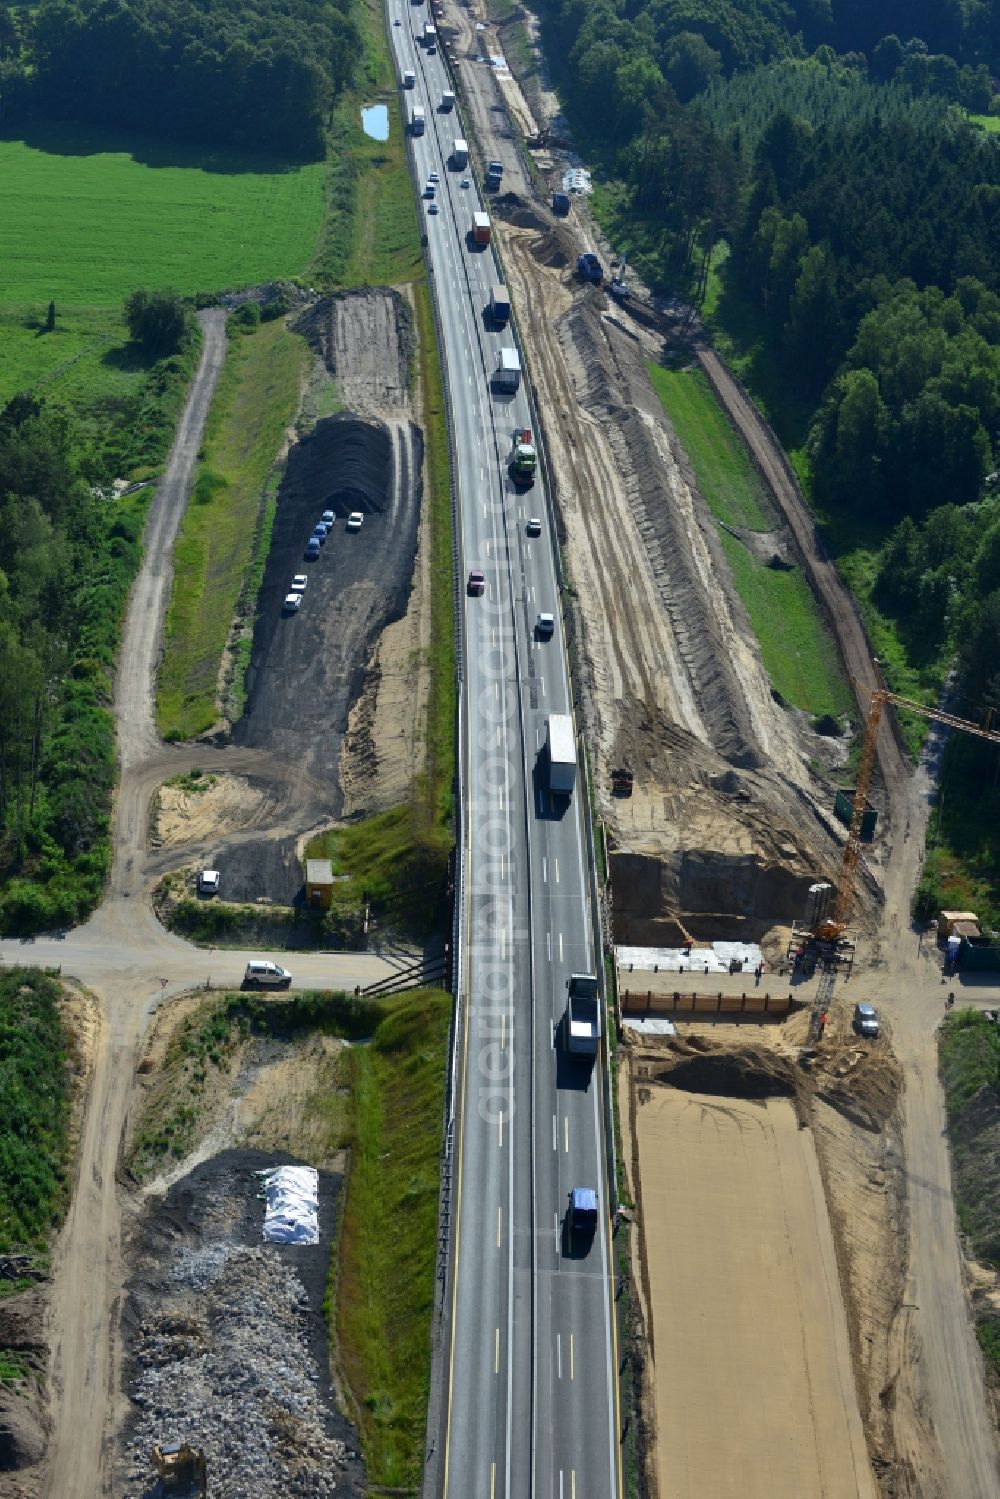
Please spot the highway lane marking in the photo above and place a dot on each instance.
(541, 683)
(499, 1225)
(503, 1031)
(503, 945)
(572, 1372)
(555, 1142)
(556, 863)
(566, 1134)
(496, 1353)
(493, 1479)
(496, 690)
(500, 1129)
(545, 870)
(559, 1373)
(560, 947)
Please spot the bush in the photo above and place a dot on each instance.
(157, 320)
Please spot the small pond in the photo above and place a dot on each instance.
(375, 121)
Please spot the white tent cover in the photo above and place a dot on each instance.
(292, 1212)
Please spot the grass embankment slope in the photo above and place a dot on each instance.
(35, 1085)
(969, 1056)
(227, 525)
(799, 655)
(385, 1103)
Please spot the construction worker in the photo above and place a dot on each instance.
(823, 1018)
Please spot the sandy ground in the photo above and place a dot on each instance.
(754, 1389)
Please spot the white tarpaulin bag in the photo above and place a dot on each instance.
(292, 1212)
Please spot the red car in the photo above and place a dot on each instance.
(477, 582)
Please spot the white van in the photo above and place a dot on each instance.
(266, 975)
(409, 78)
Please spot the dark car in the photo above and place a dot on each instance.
(477, 582)
(866, 1021)
(312, 548)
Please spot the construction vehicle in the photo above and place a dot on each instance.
(589, 267)
(621, 781)
(494, 173)
(619, 287)
(523, 459)
(583, 1015)
(829, 946)
(180, 1468)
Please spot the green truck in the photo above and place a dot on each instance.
(523, 459)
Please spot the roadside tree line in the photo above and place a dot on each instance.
(259, 76)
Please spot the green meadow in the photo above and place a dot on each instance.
(88, 219)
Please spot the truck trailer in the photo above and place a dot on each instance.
(583, 1015)
(481, 231)
(507, 375)
(499, 306)
(561, 745)
(459, 154)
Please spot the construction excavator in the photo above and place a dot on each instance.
(180, 1469)
(829, 941)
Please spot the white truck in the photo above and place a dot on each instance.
(583, 1015)
(561, 754)
(418, 119)
(430, 36)
(459, 154)
(507, 375)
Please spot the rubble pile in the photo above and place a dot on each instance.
(225, 1363)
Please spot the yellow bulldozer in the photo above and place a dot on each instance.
(180, 1468)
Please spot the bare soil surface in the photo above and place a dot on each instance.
(754, 1327)
(758, 1180)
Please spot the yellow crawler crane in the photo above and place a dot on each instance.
(829, 931)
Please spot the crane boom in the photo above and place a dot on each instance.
(852, 852)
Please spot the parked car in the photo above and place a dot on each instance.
(545, 626)
(477, 582)
(319, 531)
(328, 518)
(299, 583)
(866, 1021)
(208, 882)
(312, 549)
(534, 526)
(266, 975)
(355, 520)
(292, 602)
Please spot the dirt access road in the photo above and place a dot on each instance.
(121, 954)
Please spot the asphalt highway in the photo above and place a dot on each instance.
(530, 1406)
